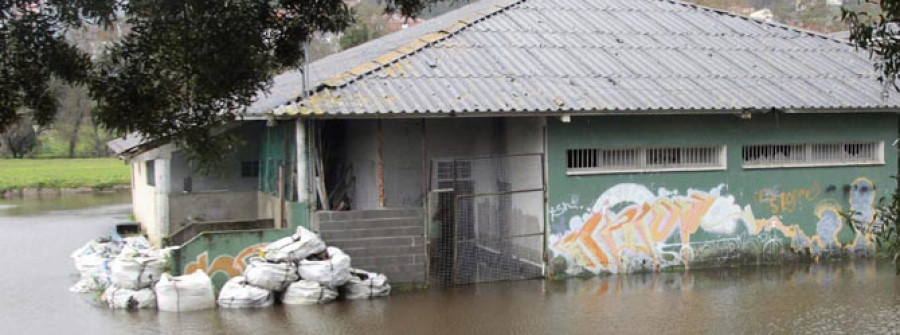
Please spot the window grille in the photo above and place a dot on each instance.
(603, 160)
(250, 169)
(817, 154)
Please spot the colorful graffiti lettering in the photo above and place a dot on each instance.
(787, 202)
(225, 264)
(631, 228)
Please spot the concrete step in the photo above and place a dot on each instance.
(329, 235)
(377, 242)
(405, 277)
(377, 262)
(385, 251)
(369, 224)
(322, 216)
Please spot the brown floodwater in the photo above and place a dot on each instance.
(861, 297)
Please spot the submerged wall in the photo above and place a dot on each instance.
(185, 208)
(627, 222)
(224, 254)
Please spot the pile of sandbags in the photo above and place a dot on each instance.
(103, 260)
(123, 269)
(300, 269)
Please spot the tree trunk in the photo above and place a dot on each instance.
(99, 146)
(73, 140)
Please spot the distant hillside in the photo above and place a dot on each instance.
(816, 15)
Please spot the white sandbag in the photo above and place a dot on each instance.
(274, 276)
(295, 247)
(95, 273)
(365, 285)
(307, 292)
(137, 272)
(123, 298)
(90, 284)
(102, 246)
(138, 242)
(331, 272)
(185, 293)
(237, 293)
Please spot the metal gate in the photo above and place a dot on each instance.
(486, 219)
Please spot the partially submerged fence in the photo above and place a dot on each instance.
(486, 219)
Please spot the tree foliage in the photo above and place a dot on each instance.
(185, 68)
(874, 27)
(885, 225)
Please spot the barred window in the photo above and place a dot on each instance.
(812, 154)
(624, 160)
(250, 169)
(150, 172)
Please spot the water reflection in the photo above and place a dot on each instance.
(828, 297)
(819, 274)
(33, 206)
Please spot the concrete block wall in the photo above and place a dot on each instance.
(388, 241)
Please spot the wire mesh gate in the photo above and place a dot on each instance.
(486, 219)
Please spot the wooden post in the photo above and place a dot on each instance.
(380, 145)
(279, 213)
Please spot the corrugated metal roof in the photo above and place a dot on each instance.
(587, 56)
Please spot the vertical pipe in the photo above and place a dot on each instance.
(279, 212)
(302, 171)
(426, 196)
(162, 170)
(380, 166)
(425, 181)
(455, 227)
(305, 70)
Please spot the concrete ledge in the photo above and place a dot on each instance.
(369, 223)
(31, 193)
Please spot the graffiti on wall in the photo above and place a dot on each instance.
(228, 265)
(787, 201)
(630, 228)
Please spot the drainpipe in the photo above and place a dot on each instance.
(162, 168)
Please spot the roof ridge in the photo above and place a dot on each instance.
(415, 46)
(770, 23)
(439, 35)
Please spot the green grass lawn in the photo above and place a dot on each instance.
(62, 173)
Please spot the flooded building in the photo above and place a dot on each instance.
(521, 139)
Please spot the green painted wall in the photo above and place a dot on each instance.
(278, 146)
(682, 219)
(223, 255)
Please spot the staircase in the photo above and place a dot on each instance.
(388, 241)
